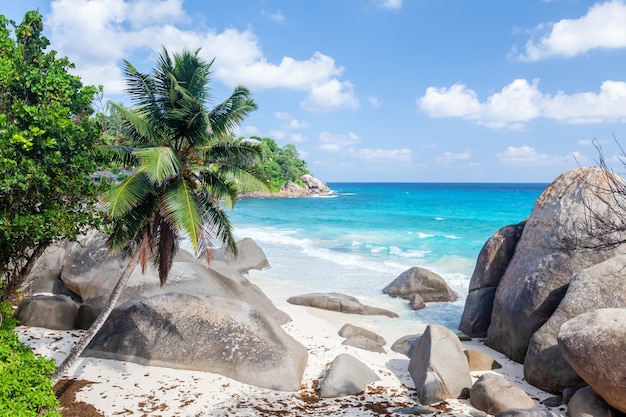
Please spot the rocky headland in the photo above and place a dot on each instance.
(311, 187)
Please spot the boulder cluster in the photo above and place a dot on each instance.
(549, 292)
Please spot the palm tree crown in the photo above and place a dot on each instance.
(189, 166)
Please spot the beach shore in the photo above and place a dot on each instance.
(117, 388)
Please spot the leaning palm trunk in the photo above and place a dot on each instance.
(78, 349)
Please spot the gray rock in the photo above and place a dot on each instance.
(313, 185)
(348, 330)
(365, 343)
(593, 344)
(494, 393)
(56, 312)
(91, 272)
(599, 286)
(430, 286)
(479, 361)
(439, 367)
(537, 276)
(44, 276)
(338, 302)
(417, 302)
(493, 259)
(586, 403)
(346, 376)
(406, 344)
(250, 256)
(204, 333)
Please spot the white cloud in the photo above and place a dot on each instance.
(298, 124)
(97, 34)
(521, 102)
(447, 158)
(330, 95)
(340, 139)
(379, 154)
(604, 26)
(528, 156)
(389, 4)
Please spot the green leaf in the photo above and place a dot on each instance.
(129, 194)
(159, 164)
(183, 210)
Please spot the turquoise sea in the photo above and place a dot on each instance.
(362, 236)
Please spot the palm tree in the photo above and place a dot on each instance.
(188, 169)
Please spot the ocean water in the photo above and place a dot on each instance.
(362, 236)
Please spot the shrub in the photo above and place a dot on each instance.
(25, 385)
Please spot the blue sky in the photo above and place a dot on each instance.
(385, 90)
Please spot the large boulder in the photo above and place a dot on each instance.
(547, 256)
(494, 393)
(346, 376)
(250, 256)
(348, 330)
(204, 333)
(429, 286)
(593, 344)
(91, 272)
(586, 403)
(493, 259)
(313, 185)
(438, 366)
(599, 286)
(338, 302)
(45, 275)
(57, 312)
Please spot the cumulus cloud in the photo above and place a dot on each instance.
(522, 101)
(330, 95)
(97, 34)
(604, 26)
(528, 156)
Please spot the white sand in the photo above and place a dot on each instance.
(124, 388)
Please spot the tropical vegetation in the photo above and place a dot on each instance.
(188, 169)
(47, 142)
(25, 386)
(281, 165)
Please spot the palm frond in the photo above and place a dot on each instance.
(231, 112)
(137, 129)
(219, 227)
(127, 195)
(159, 163)
(182, 210)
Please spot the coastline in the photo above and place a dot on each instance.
(119, 388)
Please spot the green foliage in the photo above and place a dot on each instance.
(47, 138)
(25, 386)
(187, 164)
(281, 165)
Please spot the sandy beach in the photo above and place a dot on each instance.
(122, 388)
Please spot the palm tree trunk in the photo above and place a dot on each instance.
(78, 349)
